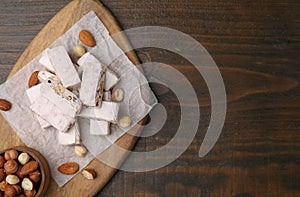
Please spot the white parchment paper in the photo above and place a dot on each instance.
(137, 102)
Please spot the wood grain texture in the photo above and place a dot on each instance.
(56, 27)
(255, 44)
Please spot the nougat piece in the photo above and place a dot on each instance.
(45, 61)
(108, 112)
(99, 127)
(45, 76)
(107, 96)
(92, 81)
(111, 79)
(64, 99)
(71, 136)
(33, 93)
(49, 112)
(64, 67)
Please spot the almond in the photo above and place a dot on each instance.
(89, 174)
(21, 176)
(87, 38)
(35, 176)
(68, 168)
(29, 167)
(5, 105)
(33, 79)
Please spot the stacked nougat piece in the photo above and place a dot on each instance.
(67, 91)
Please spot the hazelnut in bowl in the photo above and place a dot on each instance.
(23, 172)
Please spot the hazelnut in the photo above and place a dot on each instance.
(11, 154)
(21, 195)
(12, 190)
(80, 150)
(11, 166)
(17, 188)
(1, 194)
(125, 121)
(23, 158)
(2, 161)
(35, 176)
(27, 184)
(12, 179)
(30, 193)
(3, 185)
(89, 174)
(79, 50)
(118, 95)
(2, 174)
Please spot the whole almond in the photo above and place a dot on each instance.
(87, 38)
(5, 105)
(29, 167)
(33, 79)
(68, 168)
(21, 176)
(35, 176)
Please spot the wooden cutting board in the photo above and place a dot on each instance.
(57, 26)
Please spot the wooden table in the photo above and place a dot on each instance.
(254, 44)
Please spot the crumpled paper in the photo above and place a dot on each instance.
(137, 103)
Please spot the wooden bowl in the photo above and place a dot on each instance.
(43, 165)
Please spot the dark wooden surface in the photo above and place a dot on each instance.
(256, 46)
